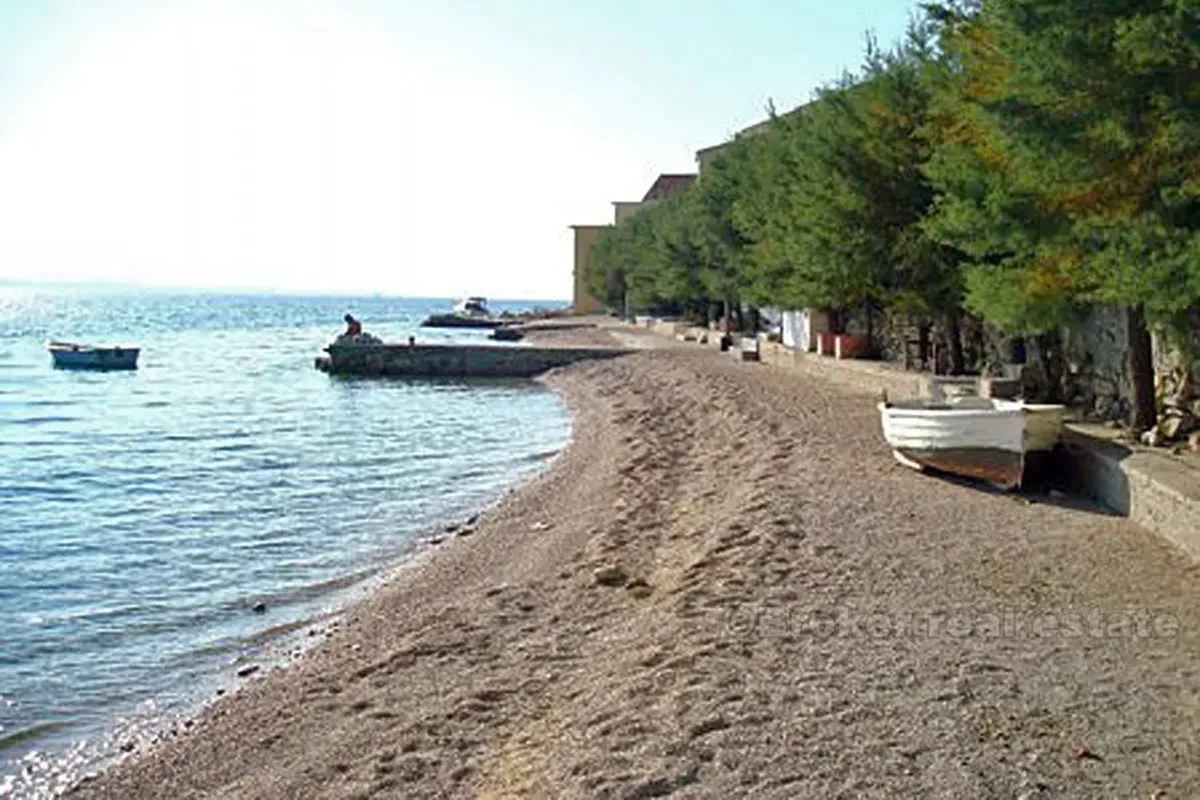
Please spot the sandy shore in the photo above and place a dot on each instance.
(726, 588)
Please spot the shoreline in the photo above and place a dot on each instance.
(632, 622)
(321, 607)
(250, 658)
(435, 542)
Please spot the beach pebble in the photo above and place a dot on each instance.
(540, 526)
(434, 540)
(451, 528)
(474, 518)
(639, 588)
(247, 670)
(259, 608)
(611, 575)
(466, 530)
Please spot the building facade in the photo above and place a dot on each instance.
(705, 157)
(586, 237)
(664, 186)
(624, 210)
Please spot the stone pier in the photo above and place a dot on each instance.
(455, 360)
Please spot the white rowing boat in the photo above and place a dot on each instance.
(975, 437)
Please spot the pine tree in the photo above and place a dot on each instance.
(1069, 168)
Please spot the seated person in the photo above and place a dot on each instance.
(353, 326)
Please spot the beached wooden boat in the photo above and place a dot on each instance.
(975, 437)
(72, 355)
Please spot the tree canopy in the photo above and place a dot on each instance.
(1014, 160)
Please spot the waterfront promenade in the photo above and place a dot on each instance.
(726, 587)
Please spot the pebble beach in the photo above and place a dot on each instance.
(726, 587)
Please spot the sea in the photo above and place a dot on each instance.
(163, 529)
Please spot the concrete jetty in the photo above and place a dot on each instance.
(454, 360)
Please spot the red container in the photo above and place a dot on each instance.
(825, 343)
(847, 346)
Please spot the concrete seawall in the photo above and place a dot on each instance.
(455, 361)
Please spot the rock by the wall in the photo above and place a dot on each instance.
(1183, 354)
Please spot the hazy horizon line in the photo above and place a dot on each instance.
(244, 290)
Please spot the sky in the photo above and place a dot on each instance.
(434, 148)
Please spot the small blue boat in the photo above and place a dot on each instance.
(70, 355)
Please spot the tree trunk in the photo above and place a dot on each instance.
(923, 346)
(1049, 347)
(835, 321)
(869, 309)
(954, 343)
(1142, 414)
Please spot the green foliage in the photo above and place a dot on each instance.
(1069, 156)
(1015, 159)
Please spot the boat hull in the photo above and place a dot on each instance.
(1001, 468)
(460, 321)
(980, 439)
(507, 335)
(105, 358)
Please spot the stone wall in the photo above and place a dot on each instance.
(1094, 351)
(891, 331)
(1092, 357)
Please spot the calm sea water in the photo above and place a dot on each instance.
(144, 514)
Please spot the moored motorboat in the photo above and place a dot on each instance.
(72, 355)
(460, 321)
(470, 312)
(472, 307)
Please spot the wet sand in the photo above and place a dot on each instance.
(726, 587)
